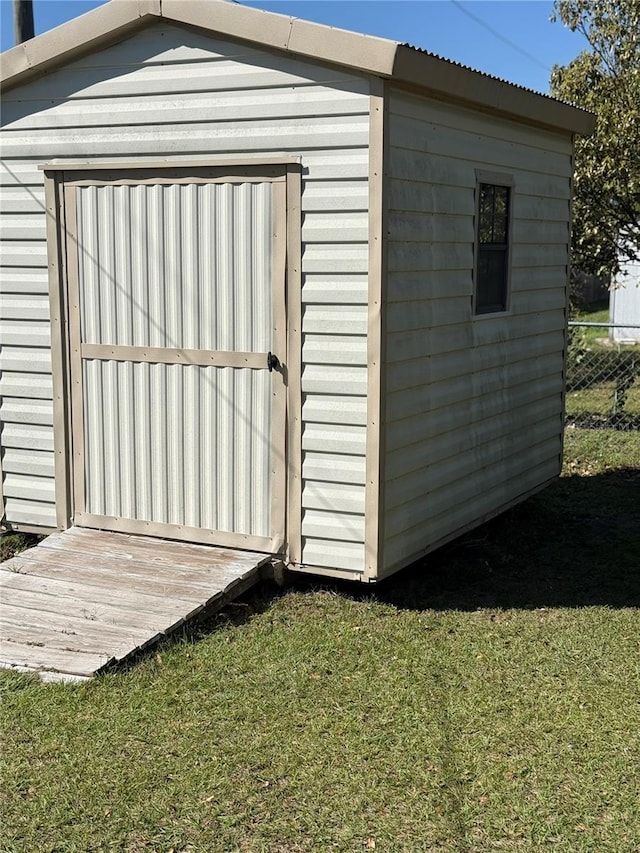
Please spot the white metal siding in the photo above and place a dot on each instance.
(26, 409)
(169, 92)
(473, 405)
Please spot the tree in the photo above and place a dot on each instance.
(606, 80)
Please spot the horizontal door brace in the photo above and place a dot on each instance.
(170, 355)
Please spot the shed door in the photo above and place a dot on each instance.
(176, 299)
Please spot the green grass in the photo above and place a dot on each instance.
(596, 313)
(487, 700)
(599, 400)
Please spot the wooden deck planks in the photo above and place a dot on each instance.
(83, 599)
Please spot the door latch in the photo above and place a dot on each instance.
(272, 362)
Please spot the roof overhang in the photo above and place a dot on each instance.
(384, 58)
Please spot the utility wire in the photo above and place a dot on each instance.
(499, 36)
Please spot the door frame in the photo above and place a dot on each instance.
(285, 173)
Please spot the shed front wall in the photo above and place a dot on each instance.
(473, 403)
(172, 93)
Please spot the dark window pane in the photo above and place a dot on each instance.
(485, 226)
(500, 218)
(486, 213)
(492, 278)
(493, 214)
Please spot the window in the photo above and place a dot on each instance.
(492, 246)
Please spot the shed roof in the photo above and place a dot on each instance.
(406, 65)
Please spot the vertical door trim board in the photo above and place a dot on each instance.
(55, 230)
(374, 489)
(278, 452)
(78, 503)
(294, 363)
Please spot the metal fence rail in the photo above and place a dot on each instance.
(603, 378)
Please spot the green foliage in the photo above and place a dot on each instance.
(606, 80)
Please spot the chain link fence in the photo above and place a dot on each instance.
(603, 378)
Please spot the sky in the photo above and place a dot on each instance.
(511, 39)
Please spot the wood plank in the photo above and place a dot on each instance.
(83, 641)
(20, 613)
(48, 676)
(38, 657)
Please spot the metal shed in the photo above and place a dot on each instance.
(624, 305)
(271, 285)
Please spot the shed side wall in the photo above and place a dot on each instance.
(173, 93)
(474, 404)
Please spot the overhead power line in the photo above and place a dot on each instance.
(499, 36)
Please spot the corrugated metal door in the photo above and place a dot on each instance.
(176, 297)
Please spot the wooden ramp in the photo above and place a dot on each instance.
(84, 600)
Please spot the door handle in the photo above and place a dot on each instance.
(272, 362)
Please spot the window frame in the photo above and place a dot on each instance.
(496, 179)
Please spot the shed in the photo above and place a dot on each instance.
(272, 285)
(624, 305)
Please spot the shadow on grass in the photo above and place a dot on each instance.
(575, 544)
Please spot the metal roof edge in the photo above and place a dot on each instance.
(403, 64)
(443, 78)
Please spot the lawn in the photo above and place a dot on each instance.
(488, 700)
(598, 401)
